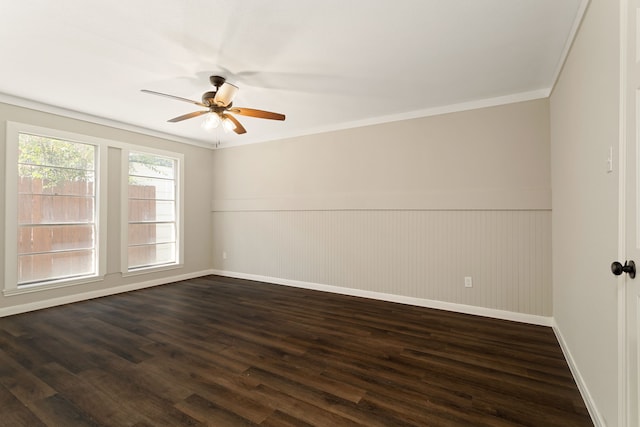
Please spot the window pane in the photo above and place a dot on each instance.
(150, 165)
(28, 184)
(150, 255)
(140, 234)
(151, 188)
(41, 267)
(56, 209)
(40, 150)
(151, 210)
(55, 238)
(39, 209)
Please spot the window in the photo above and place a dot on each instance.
(56, 208)
(152, 211)
(53, 208)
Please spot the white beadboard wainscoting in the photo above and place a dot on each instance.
(407, 255)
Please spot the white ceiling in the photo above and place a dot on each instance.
(327, 64)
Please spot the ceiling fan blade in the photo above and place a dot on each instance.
(261, 114)
(174, 97)
(187, 116)
(239, 129)
(224, 95)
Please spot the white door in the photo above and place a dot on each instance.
(630, 290)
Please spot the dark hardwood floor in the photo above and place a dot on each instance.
(227, 352)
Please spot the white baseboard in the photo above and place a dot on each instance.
(420, 302)
(38, 305)
(596, 417)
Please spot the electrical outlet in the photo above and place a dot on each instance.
(224, 254)
(468, 283)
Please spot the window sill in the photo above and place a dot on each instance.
(154, 269)
(26, 289)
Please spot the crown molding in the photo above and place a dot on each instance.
(73, 114)
(409, 115)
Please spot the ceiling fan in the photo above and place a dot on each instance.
(219, 105)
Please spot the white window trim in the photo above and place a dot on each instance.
(11, 207)
(124, 203)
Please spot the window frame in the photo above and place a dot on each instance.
(13, 130)
(124, 203)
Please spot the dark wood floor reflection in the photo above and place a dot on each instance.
(226, 352)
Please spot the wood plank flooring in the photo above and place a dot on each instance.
(227, 352)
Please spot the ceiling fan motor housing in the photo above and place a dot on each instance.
(207, 98)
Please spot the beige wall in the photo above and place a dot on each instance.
(428, 201)
(197, 164)
(584, 124)
(406, 208)
(491, 158)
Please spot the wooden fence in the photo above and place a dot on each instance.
(56, 231)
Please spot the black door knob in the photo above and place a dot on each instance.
(629, 267)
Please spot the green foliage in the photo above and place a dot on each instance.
(55, 161)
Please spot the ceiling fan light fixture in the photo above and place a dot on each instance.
(211, 122)
(228, 125)
(225, 94)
